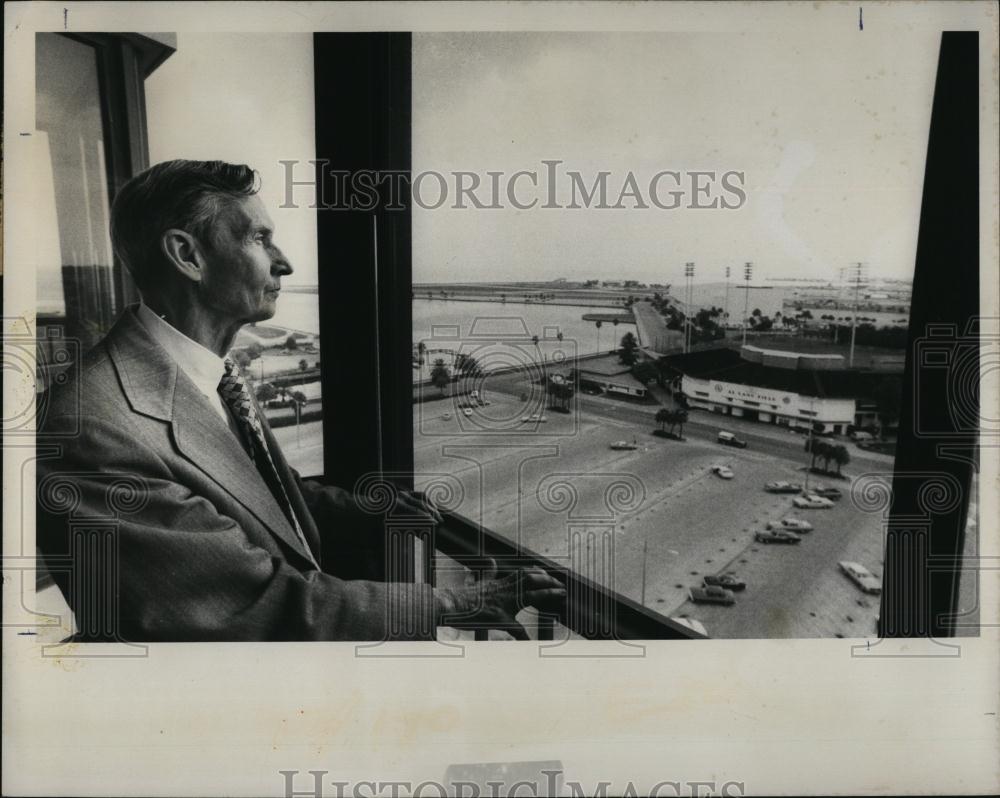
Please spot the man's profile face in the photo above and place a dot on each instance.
(244, 266)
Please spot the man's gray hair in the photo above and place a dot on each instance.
(186, 195)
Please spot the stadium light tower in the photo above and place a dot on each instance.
(688, 276)
(747, 274)
(857, 278)
(725, 310)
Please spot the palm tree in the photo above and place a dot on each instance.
(820, 450)
(680, 418)
(598, 324)
(811, 447)
(615, 323)
(421, 350)
(841, 456)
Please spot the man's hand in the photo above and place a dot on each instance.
(492, 603)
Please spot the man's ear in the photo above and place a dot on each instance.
(184, 253)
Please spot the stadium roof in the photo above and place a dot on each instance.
(726, 365)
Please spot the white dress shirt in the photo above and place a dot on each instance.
(201, 365)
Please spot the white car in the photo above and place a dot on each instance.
(467, 411)
(724, 472)
(791, 524)
(812, 502)
(861, 576)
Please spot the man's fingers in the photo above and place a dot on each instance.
(490, 570)
(539, 580)
(552, 597)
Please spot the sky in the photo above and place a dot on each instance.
(242, 98)
(830, 131)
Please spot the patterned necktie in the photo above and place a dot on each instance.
(236, 395)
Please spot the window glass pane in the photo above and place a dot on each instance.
(281, 356)
(581, 304)
(73, 253)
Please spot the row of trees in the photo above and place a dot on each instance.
(820, 449)
(672, 417)
(244, 356)
(267, 392)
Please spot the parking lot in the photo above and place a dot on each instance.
(689, 521)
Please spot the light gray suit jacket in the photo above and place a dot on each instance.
(200, 548)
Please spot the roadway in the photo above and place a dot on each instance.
(689, 522)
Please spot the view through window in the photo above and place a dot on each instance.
(280, 357)
(657, 336)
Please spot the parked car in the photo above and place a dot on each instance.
(725, 472)
(624, 445)
(729, 439)
(713, 594)
(727, 581)
(467, 411)
(791, 524)
(776, 536)
(783, 487)
(811, 501)
(861, 576)
(827, 492)
(858, 436)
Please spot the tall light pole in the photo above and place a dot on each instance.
(725, 310)
(688, 276)
(857, 276)
(747, 274)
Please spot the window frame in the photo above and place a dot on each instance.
(124, 61)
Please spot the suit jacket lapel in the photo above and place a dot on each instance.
(155, 386)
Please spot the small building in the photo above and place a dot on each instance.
(609, 376)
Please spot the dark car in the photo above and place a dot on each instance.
(777, 536)
(783, 487)
(827, 492)
(712, 594)
(729, 439)
(727, 581)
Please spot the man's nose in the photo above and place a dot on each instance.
(280, 264)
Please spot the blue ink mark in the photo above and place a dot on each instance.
(861, 18)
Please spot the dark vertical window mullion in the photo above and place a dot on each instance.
(395, 262)
(921, 573)
(362, 96)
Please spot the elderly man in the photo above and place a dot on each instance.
(217, 538)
